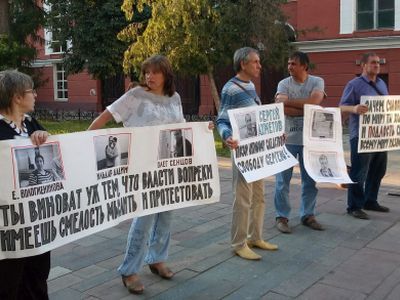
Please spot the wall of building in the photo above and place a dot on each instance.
(335, 55)
(84, 92)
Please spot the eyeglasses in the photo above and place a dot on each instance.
(33, 91)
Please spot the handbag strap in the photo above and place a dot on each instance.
(256, 100)
(373, 84)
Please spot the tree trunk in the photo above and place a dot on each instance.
(4, 18)
(214, 91)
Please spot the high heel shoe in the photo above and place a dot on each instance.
(161, 270)
(134, 286)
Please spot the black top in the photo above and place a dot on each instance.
(7, 133)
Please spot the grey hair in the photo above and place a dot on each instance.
(242, 55)
(12, 83)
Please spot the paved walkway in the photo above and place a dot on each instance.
(351, 259)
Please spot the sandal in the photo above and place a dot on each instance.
(134, 286)
(161, 270)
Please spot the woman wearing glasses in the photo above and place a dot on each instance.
(26, 277)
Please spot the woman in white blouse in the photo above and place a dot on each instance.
(153, 102)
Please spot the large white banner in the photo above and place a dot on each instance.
(379, 128)
(323, 145)
(78, 184)
(260, 131)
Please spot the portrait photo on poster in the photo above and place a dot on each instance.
(325, 163)
(247, 125)
(112, 150)
(175, 143)
(322, 125)
(38, 165)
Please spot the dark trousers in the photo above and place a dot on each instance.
(367, 171)
(25, 278)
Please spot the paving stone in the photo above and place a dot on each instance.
(90, 271)
(90, 240)
(387, 287)
(111, 233)
(363, 271)
(388, 241)
(211, 261)
(335, 257)
(206, 238)
(113, 289)
(89, 283)
(200, 285)
(66, 294)
(394, 294)
(327, 292)
(185, 235)
(62, 282)
(274, 296)
(58, 271)
(259, 286)
(157, 289)
(302, 280)
(111, 263)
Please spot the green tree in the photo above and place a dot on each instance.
(199, 35)
(21, 20)
(91, 27)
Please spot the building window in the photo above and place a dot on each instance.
(375, 14)
(53, 46)
(52, 43)
(60, 83)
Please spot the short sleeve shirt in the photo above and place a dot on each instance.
(351, 96)
(138, 107)
(295, 90)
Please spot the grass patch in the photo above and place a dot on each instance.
(220, 147)
(56, 127)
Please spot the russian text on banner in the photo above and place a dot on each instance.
(78, 184)
(260, 131)
(379, 128)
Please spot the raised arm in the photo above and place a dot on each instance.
(101, 120)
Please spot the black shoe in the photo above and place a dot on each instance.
(359, 214)
(377, 207)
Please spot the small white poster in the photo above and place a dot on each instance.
(323, 145)
(260, 132)
(379, 128)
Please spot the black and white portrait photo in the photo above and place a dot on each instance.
(111, 150)
(38, 165)
(322, 125)
(247, 125)
(325, 170)
(175, 143)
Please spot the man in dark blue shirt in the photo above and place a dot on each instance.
(367, 169)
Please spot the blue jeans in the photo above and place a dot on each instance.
(367, 171)
(282, 187)
(148, 242)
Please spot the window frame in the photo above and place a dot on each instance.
(64, 82)
(375, 11)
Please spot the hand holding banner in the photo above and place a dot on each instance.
(260, 131)
(76, 190)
